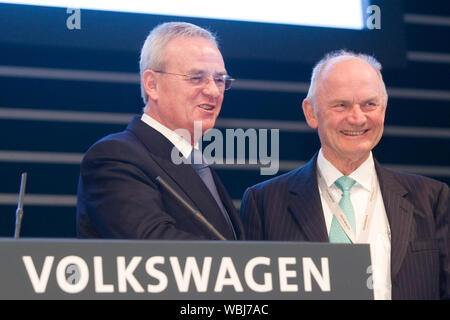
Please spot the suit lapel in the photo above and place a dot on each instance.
(183, 176)
(193, 187)
(305, 205)
(400, 215)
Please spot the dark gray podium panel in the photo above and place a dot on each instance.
(189, 270)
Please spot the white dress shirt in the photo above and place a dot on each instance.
(379, 231)
(178, 141)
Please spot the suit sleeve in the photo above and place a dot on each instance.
(442, 213)
(251, 216)
(116, 199)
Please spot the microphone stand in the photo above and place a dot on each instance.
(19, 211)
(195, 213)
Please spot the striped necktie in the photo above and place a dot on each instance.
(204, 171)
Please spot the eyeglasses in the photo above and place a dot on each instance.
(222, 81)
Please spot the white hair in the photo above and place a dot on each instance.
(341, 55)
(152, 53)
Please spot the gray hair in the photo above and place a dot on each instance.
(341, 55)
(152, 53)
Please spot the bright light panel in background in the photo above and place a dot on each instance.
(347, 14)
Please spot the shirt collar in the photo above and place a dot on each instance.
(363, 174)
(181, 144)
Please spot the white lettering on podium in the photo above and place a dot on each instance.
(285, 274)
(227, 267)
(322, 278)
(191, 270)
(83, 278)
(39, 283)
(100, 287)
(225, 274)
(125, 274)
(250, 280)
(157, 274)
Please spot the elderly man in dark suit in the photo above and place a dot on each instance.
(183, 79)
(343, 195)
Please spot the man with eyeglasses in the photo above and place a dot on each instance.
(183, 79)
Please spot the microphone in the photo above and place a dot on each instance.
(19, 211)
(194, 212)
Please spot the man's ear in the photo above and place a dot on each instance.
(149, 82)
(310, 115)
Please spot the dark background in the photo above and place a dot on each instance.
(61, 90)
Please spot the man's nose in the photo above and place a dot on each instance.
(210, 88)
(356, 116)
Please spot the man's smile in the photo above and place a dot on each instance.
(354, 133)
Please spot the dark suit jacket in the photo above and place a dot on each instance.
(119, 198)
(288, 207)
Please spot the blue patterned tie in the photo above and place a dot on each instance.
(204, 171)
(337, 234)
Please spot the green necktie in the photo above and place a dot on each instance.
(337, 234)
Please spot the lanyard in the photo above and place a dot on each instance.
(363, 237)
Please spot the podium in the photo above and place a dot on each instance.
(183, 270)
